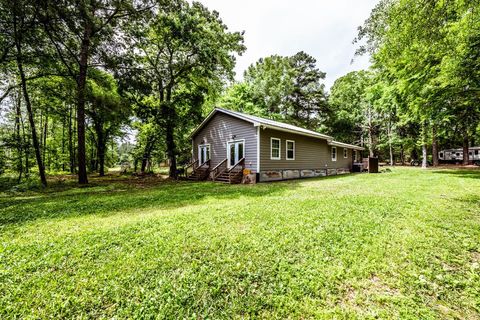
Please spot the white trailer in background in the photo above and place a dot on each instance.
(456, 155)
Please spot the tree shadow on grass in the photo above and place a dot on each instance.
(109, 197)
(471, 199)
(460, 173)
(107, 200)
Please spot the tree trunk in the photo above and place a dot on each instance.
(434, 146)
(25, 147)
(466, 157)
(402, 155)
(168, 112)
(146, 155)
(101, 160)
(424, 147)
(45, 133)
(171, 151)
(392, 160)
(28, 104)
(389, 132)
(81, 84)
(424, 156)
(70, 141)
(101, 147)
(18, 117)
(370, 134)
(63, 142)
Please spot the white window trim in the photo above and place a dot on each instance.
(279, 148)
(286, 149)
(209, 151)
(345, 153)
(331, 153)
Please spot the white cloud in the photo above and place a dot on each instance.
(323, 29)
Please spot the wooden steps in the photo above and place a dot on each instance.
(225, 177)
(199, 174)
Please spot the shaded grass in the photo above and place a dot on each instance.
(403, 244)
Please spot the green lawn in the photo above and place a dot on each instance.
(401, 244)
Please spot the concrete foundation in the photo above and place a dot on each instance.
(291, 174)
(271, 175)
(276, 175)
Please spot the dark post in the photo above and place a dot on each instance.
(372, 165)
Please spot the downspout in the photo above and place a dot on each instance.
(258, 149)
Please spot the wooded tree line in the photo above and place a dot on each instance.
(74, 74)
(424, 87)
(77, 75)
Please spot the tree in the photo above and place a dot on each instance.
(284, 89)
(20, 41)
(308, 101)
(82, 31)
(106, 109)
(422, 47)
(349, 107)
(181, 54)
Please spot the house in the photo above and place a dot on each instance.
(231, 146)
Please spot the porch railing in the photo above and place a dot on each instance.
(192, 165)
(237, 170)
(219, 169)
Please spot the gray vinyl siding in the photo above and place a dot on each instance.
(310, 153)
(219, 130)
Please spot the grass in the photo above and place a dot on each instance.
(402, 244)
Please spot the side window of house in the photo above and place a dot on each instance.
(274, 149)
(334, 153)
(290, 150)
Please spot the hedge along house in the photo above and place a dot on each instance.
(231, 146)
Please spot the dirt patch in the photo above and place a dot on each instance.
(476, 257)
(358, 299)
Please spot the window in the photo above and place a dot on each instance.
(334, 153)
(345, 152)
(203, 153)
(274, 149)
(290, 150)
(476, 152)
(355, 155)
(441, 154)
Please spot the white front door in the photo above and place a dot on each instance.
(203, 153)
(235, 152)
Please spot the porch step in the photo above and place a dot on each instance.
(224, 177)
(198, 175)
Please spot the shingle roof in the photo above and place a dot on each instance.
(257, 121)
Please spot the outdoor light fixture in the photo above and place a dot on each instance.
(234, 136)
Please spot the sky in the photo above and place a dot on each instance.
(323, 29)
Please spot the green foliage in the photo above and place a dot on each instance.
(282, 88)
(428, 51)
(392, 245)
(348, 101)
(180, 56)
